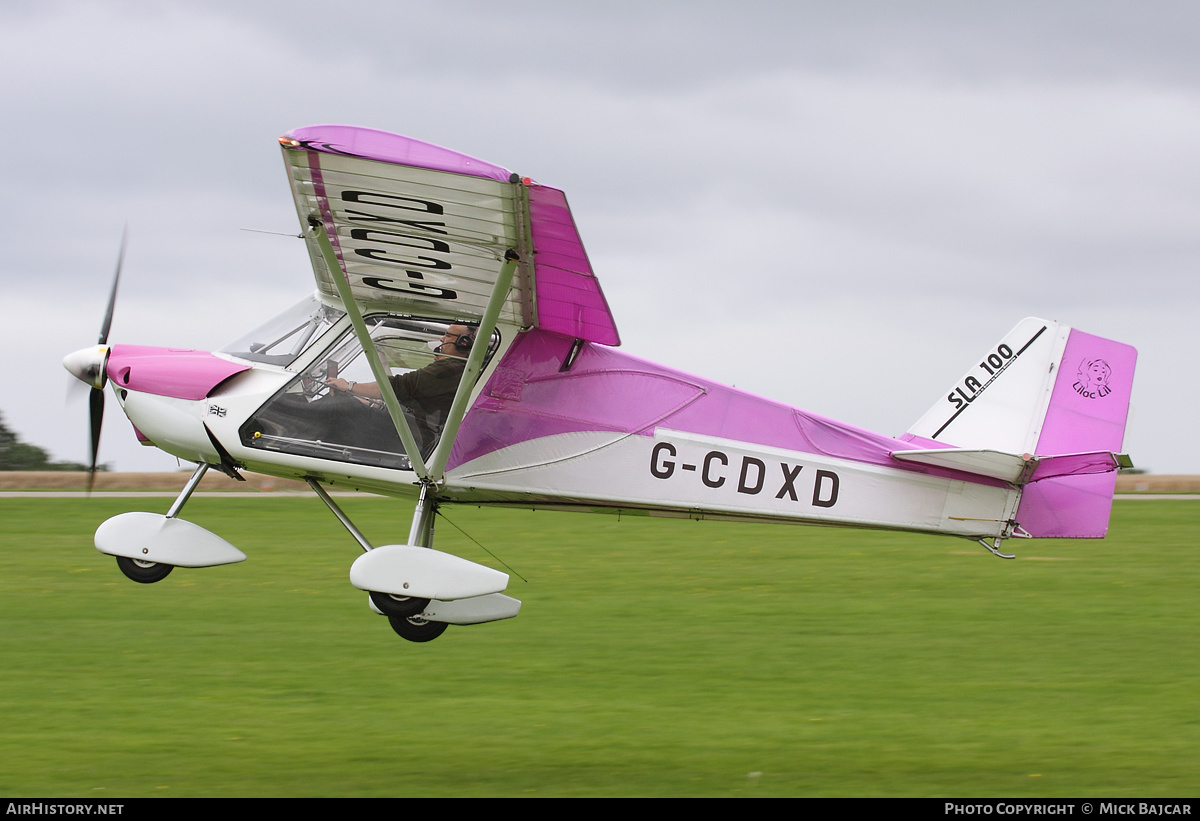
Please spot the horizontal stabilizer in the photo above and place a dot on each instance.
(1019, 470)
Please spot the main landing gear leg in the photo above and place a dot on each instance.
(341, 517)
(145, 572)
(421, 532)
(403, 612)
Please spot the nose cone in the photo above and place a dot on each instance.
(87, 365)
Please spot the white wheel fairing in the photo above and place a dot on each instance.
(153, 538)
(421, 572)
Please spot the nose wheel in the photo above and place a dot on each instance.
(144, 572)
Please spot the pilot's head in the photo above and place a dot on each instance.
(457, 340)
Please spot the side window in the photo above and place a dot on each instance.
(335, 409)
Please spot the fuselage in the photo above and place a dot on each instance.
(556, 422)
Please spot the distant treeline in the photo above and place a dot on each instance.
(18, 455)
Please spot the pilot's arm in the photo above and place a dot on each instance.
(430, 381)
(369, 390)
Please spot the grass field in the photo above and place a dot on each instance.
(651, 658)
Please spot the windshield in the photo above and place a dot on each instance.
(282, 339)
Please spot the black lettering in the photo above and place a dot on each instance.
(424, 243)
(415, 288)
(396, 201)
(747, 461)
(381, 256)
(973, 385)
(712, 456)
(421, 225)
(955, 401)
(789, 477)
(822, 475)
(661, 468)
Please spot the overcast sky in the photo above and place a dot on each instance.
(837, 205)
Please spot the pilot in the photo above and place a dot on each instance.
(427, 392)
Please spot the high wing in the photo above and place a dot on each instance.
(422, 229)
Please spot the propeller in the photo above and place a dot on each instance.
(88, 366)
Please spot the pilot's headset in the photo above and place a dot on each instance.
(463, 342)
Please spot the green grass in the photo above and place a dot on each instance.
(652, 657)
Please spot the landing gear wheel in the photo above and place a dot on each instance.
(144, 572)
(415, 628)
(398, 606)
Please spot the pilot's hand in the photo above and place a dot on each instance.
(339, 384)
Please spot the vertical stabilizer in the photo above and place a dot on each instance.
(1050, 390)
(1000, 403)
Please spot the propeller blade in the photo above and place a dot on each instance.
(96, 418)
(112, 297)
(88, 365)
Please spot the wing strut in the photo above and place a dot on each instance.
(373, 358)
(437, 464)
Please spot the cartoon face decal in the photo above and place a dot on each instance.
(1092, 379)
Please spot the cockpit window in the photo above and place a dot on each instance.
(335, 410)
(281, 340)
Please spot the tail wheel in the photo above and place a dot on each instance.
(415, 628)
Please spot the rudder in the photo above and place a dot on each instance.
(1088, 410)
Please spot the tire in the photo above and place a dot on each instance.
(415, 628)
(144, 572)
(398, 606)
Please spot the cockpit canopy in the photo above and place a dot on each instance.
(323, 413)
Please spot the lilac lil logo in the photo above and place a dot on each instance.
(1092, 379)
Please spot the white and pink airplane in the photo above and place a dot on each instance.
(466, 288)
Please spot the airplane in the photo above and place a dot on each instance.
(466, 288)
